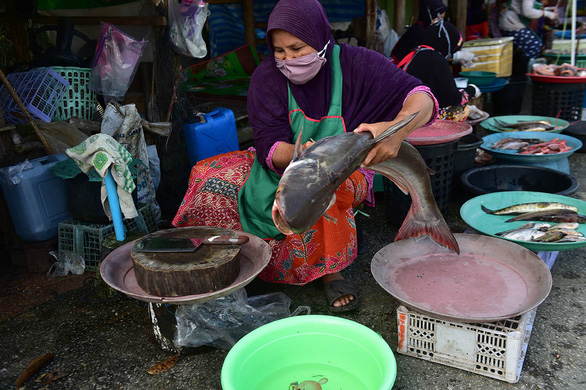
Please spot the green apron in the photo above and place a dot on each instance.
(256, 197)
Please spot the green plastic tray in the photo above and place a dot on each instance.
(491, 126)
(489, 224)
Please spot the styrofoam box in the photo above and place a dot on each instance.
(495, 349)
(492, 55)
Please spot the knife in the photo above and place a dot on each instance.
(184, 244)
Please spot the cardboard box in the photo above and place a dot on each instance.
(493, 55)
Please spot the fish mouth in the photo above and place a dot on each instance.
(279, 221)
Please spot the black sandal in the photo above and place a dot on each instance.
(338, 288)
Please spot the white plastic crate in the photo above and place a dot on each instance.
(495, 349)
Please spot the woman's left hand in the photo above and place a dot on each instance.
(382, 151)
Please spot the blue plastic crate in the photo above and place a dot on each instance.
(40, 91)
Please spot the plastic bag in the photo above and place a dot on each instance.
(186, 20)
(65, 263)
(13, 175)
(220, 323)
(115, 63)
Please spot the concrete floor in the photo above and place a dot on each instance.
(103, 340)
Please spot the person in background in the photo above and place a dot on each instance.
(477, 20)
(429, 11)
(307, 84)
(514, 19)
(429, 63)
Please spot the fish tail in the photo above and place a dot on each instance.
(438, 231)
(486, 209)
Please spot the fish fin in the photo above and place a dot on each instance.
(395, 127)
(298, 148)
(439, 231)
(330, 218)
(430, 171)
(486, 209)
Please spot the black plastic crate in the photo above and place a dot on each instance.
(438, 157)
(558, 100)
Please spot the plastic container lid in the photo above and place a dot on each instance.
(440, 132)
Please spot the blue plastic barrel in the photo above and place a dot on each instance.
(215, 134)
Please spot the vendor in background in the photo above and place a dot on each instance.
(429, 11)
(514, 19)
(477, 20)
(429, 63)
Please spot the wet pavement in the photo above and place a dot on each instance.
(101, 339)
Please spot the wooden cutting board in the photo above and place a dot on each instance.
(208, 269)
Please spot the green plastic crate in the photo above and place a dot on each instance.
(79, 101)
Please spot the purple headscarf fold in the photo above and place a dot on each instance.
(374, 89)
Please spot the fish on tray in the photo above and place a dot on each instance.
(556, 215)
(533, 146)
(547, 147)
(544, 232)
(511, 143)
(306, 189)
(525, 126)
(522, 208)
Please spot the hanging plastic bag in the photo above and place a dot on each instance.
(13, 175)
(220, 323)
(186, 20)
(115, 63)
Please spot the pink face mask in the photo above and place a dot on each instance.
(302, 69)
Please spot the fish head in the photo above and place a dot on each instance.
(300, 199)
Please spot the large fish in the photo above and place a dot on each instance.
(306, 189)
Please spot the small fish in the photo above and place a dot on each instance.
(529, 207)
(565, 225)
(550, 216)
(528, 225)
(550, 236)
(306, 189)
(570, 238)
(567, 232)
(524, 234)
(524, 126)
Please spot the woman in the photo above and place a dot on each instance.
(308, 84)
(430, 63)
(430, 11)
(514, 19)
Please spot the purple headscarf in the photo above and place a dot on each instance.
(374, 89)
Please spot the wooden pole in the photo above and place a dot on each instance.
(399, 16)
(248, 13)
(12, 92)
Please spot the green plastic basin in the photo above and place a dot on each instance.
(479, 78)
(328, 350)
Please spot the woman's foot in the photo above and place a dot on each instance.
(340, 293)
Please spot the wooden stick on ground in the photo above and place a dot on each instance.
(6, 83)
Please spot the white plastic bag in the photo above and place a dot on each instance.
(186, 21)
(65, 263)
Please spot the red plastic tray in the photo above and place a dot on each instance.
(556, 79)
